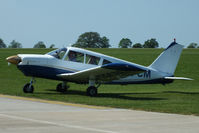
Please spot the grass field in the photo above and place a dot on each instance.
(181, 97)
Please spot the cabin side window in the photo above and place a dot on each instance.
(75, 56)
(90, 59)
(106, 62)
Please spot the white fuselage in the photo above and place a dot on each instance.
(48, 66)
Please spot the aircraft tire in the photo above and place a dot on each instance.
(61, 89)
(28, 88)
(92, 91)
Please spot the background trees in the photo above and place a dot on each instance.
(52, 46)
(137, 45)
(125, 43)
(92, 40)
(104, 43)
(40, 44)
(2, 44)
(151, 43)
(193, 45)
(15, 44)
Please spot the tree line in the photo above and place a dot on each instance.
(15, 44)
(94, 40)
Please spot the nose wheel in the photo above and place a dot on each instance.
(29, 88)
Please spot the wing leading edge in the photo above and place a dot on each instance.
(105, 73)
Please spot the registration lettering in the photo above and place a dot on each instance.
(146, 74)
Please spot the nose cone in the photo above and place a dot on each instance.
(14, 59)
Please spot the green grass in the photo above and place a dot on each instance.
(180, 97)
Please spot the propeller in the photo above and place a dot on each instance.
(13, 60)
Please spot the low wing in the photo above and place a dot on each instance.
(108, 72)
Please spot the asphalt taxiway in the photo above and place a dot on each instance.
(22, 115)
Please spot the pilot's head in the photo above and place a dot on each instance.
(72, 54)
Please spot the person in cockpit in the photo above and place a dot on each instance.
(72, 56)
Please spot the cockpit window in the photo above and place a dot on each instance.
(92, 60)
(59, 53)
(75, 56)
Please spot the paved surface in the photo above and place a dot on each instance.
(21, 115)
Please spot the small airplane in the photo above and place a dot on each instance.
(86, 67)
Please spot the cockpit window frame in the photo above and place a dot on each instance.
(55, 53)
(92, 59)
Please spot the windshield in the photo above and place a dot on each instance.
(58, 53)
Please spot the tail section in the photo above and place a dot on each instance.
(168, 59)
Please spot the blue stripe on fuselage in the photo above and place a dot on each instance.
(42, 71)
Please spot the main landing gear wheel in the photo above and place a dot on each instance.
(62, 87)
(28, 88)
(92, 91)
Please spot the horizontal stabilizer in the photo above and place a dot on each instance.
(181, 78)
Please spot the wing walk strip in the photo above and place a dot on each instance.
(54, 102)
(56, 124)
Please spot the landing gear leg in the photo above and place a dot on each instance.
(28, 88)
(92, 90)
(62, 87)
